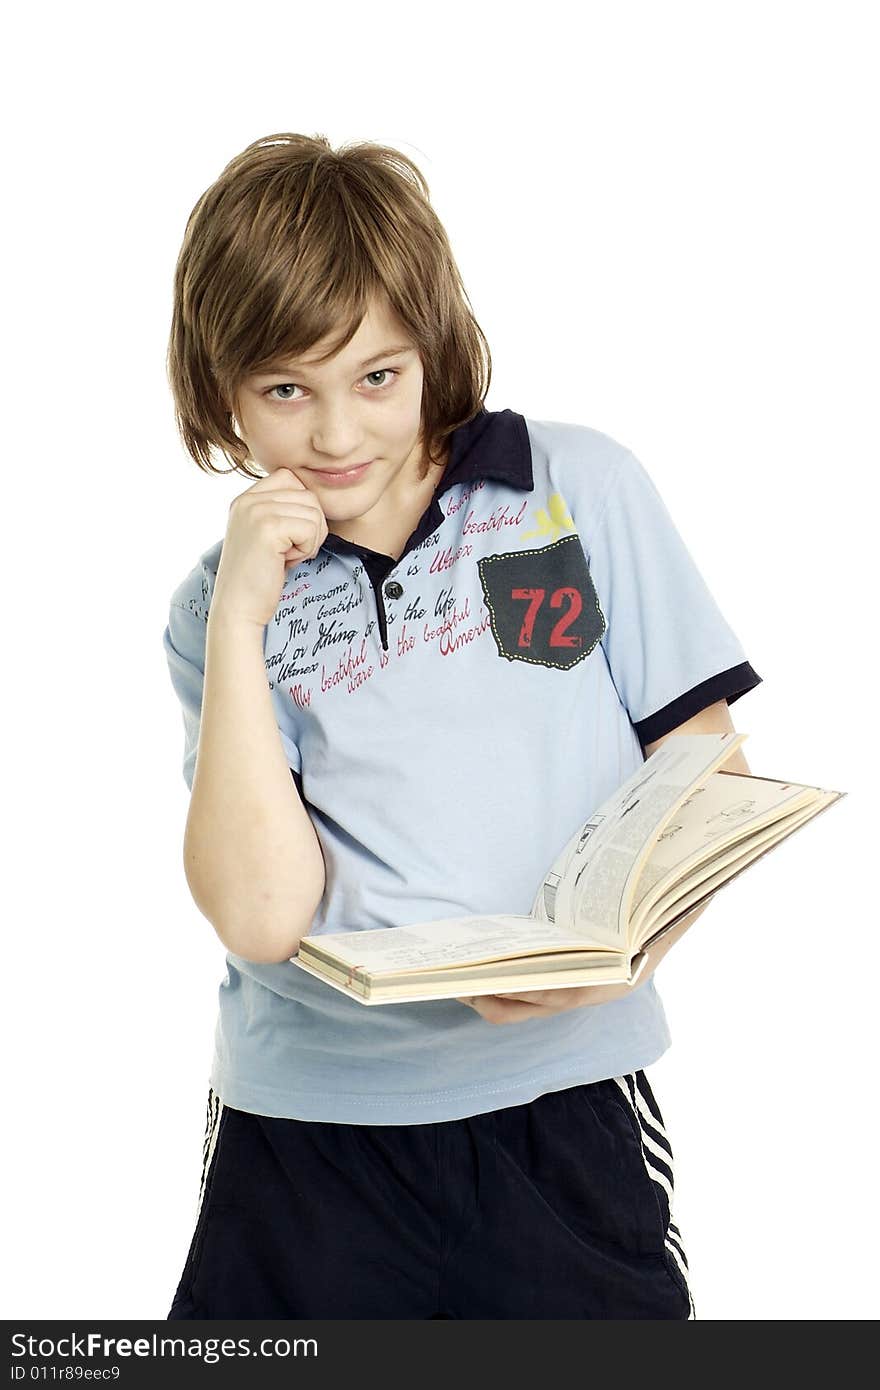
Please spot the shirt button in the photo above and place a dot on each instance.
(393, 589)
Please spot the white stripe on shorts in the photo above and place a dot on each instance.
(663, 1150)
(212, 1126)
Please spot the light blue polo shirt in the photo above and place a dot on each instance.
(450, 719)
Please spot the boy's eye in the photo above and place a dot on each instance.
(380, 371)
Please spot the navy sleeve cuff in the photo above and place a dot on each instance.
(727, 685)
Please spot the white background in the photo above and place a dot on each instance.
(665, 218)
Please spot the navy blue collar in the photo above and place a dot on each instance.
(492, 444)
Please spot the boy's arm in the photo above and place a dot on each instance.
(252, 858)
(714, 719)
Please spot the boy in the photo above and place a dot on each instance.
(433, 639)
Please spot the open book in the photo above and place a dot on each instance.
(679, 829)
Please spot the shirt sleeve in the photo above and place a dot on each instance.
(670, 651)
(184, 641)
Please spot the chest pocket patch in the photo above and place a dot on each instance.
(543, 604)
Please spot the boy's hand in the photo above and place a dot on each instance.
(514, 1008)
(272, 526)
(540, 1003)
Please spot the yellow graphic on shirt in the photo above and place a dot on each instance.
(551, 522)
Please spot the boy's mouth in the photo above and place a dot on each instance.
(346, 475)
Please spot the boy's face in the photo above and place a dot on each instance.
(315, 418)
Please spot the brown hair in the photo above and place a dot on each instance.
(292, 241)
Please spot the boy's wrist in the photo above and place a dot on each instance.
(231, 623)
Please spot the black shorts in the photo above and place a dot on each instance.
(560, 1208)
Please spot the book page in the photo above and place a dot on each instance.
(723, 868)
(589, 886)
(460, 940)
(716, 815)
(415, 991)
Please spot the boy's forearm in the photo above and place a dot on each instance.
(251, 856)
(659, 950)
